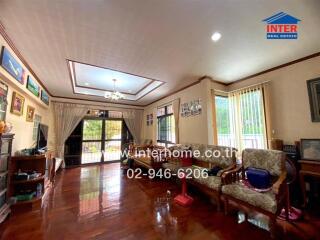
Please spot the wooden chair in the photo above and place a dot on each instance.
(269, 203)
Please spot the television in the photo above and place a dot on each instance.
(42, 137)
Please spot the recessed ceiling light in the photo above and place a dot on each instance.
(216, 36)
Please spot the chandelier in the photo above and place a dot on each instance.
(115, 95)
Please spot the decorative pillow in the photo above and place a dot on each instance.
(258, 178)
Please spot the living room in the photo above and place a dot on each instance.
(159, 119)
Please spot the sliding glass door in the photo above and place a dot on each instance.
(91, 141)
(112, 149)
(101, 140)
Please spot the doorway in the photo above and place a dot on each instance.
(101, 140)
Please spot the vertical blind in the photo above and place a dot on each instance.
(241, 119)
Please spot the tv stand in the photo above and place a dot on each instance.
(308, 168)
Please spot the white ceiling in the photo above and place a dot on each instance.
(167, 40)
(96, 81)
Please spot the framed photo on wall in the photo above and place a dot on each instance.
(310, 149)
(314, 98)
(17, 104)
(11, 65)
(30, 113)
(44, 97)
(32, 86)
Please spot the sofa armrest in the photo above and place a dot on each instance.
(231, 167)
(278, 186)
(231, 176)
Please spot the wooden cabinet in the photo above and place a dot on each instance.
(308, 168)
(5, 157)
(35, 163)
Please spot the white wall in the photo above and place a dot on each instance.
(21, 128)
(193, 129)
(290, 110)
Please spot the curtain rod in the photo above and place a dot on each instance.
(93, 105)
(252, 85)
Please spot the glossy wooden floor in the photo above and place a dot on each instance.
(98, 202)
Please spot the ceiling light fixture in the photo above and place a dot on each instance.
(115, 95)
(87, 84)
(216, 36)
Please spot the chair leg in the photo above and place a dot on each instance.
(226, 206)
(272, 226)
(246, 217)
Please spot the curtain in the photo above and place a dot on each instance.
(247, 118)
(66, 117)
(267, 104)
(176, 113)
(155, 125)
(133, 119)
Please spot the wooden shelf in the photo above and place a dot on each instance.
(29, 180)
(33, 200)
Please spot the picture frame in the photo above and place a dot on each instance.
(191, 108)
(44, 97)
(11, 65)
(310, 149)
(30, 113)
(149, 119)
(17, 104)
(314, 98)
(33, 87)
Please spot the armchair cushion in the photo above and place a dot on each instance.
(270, 160)
(265, 200)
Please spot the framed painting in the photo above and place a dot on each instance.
(17, 104)
(33, 87)
(30, 113)
(310, 149)
(314, 98)
(11, 65)
(44, 97)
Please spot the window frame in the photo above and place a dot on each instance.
(165, 115)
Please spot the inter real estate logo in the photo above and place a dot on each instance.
(282, 26)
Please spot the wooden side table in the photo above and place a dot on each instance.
(308, 168)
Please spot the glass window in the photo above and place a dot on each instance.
(240, 120)
(161, 111)
(166, 125)
(223, 121)
(92, 129)
(113, 129)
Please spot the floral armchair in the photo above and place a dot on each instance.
(270, 202)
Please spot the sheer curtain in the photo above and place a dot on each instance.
(66, 117)
(247, 118)
(176, 112)
(133, 119)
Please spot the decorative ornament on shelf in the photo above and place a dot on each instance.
(115, 95)
(5, 127)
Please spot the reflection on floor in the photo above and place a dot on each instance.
(99, 202)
